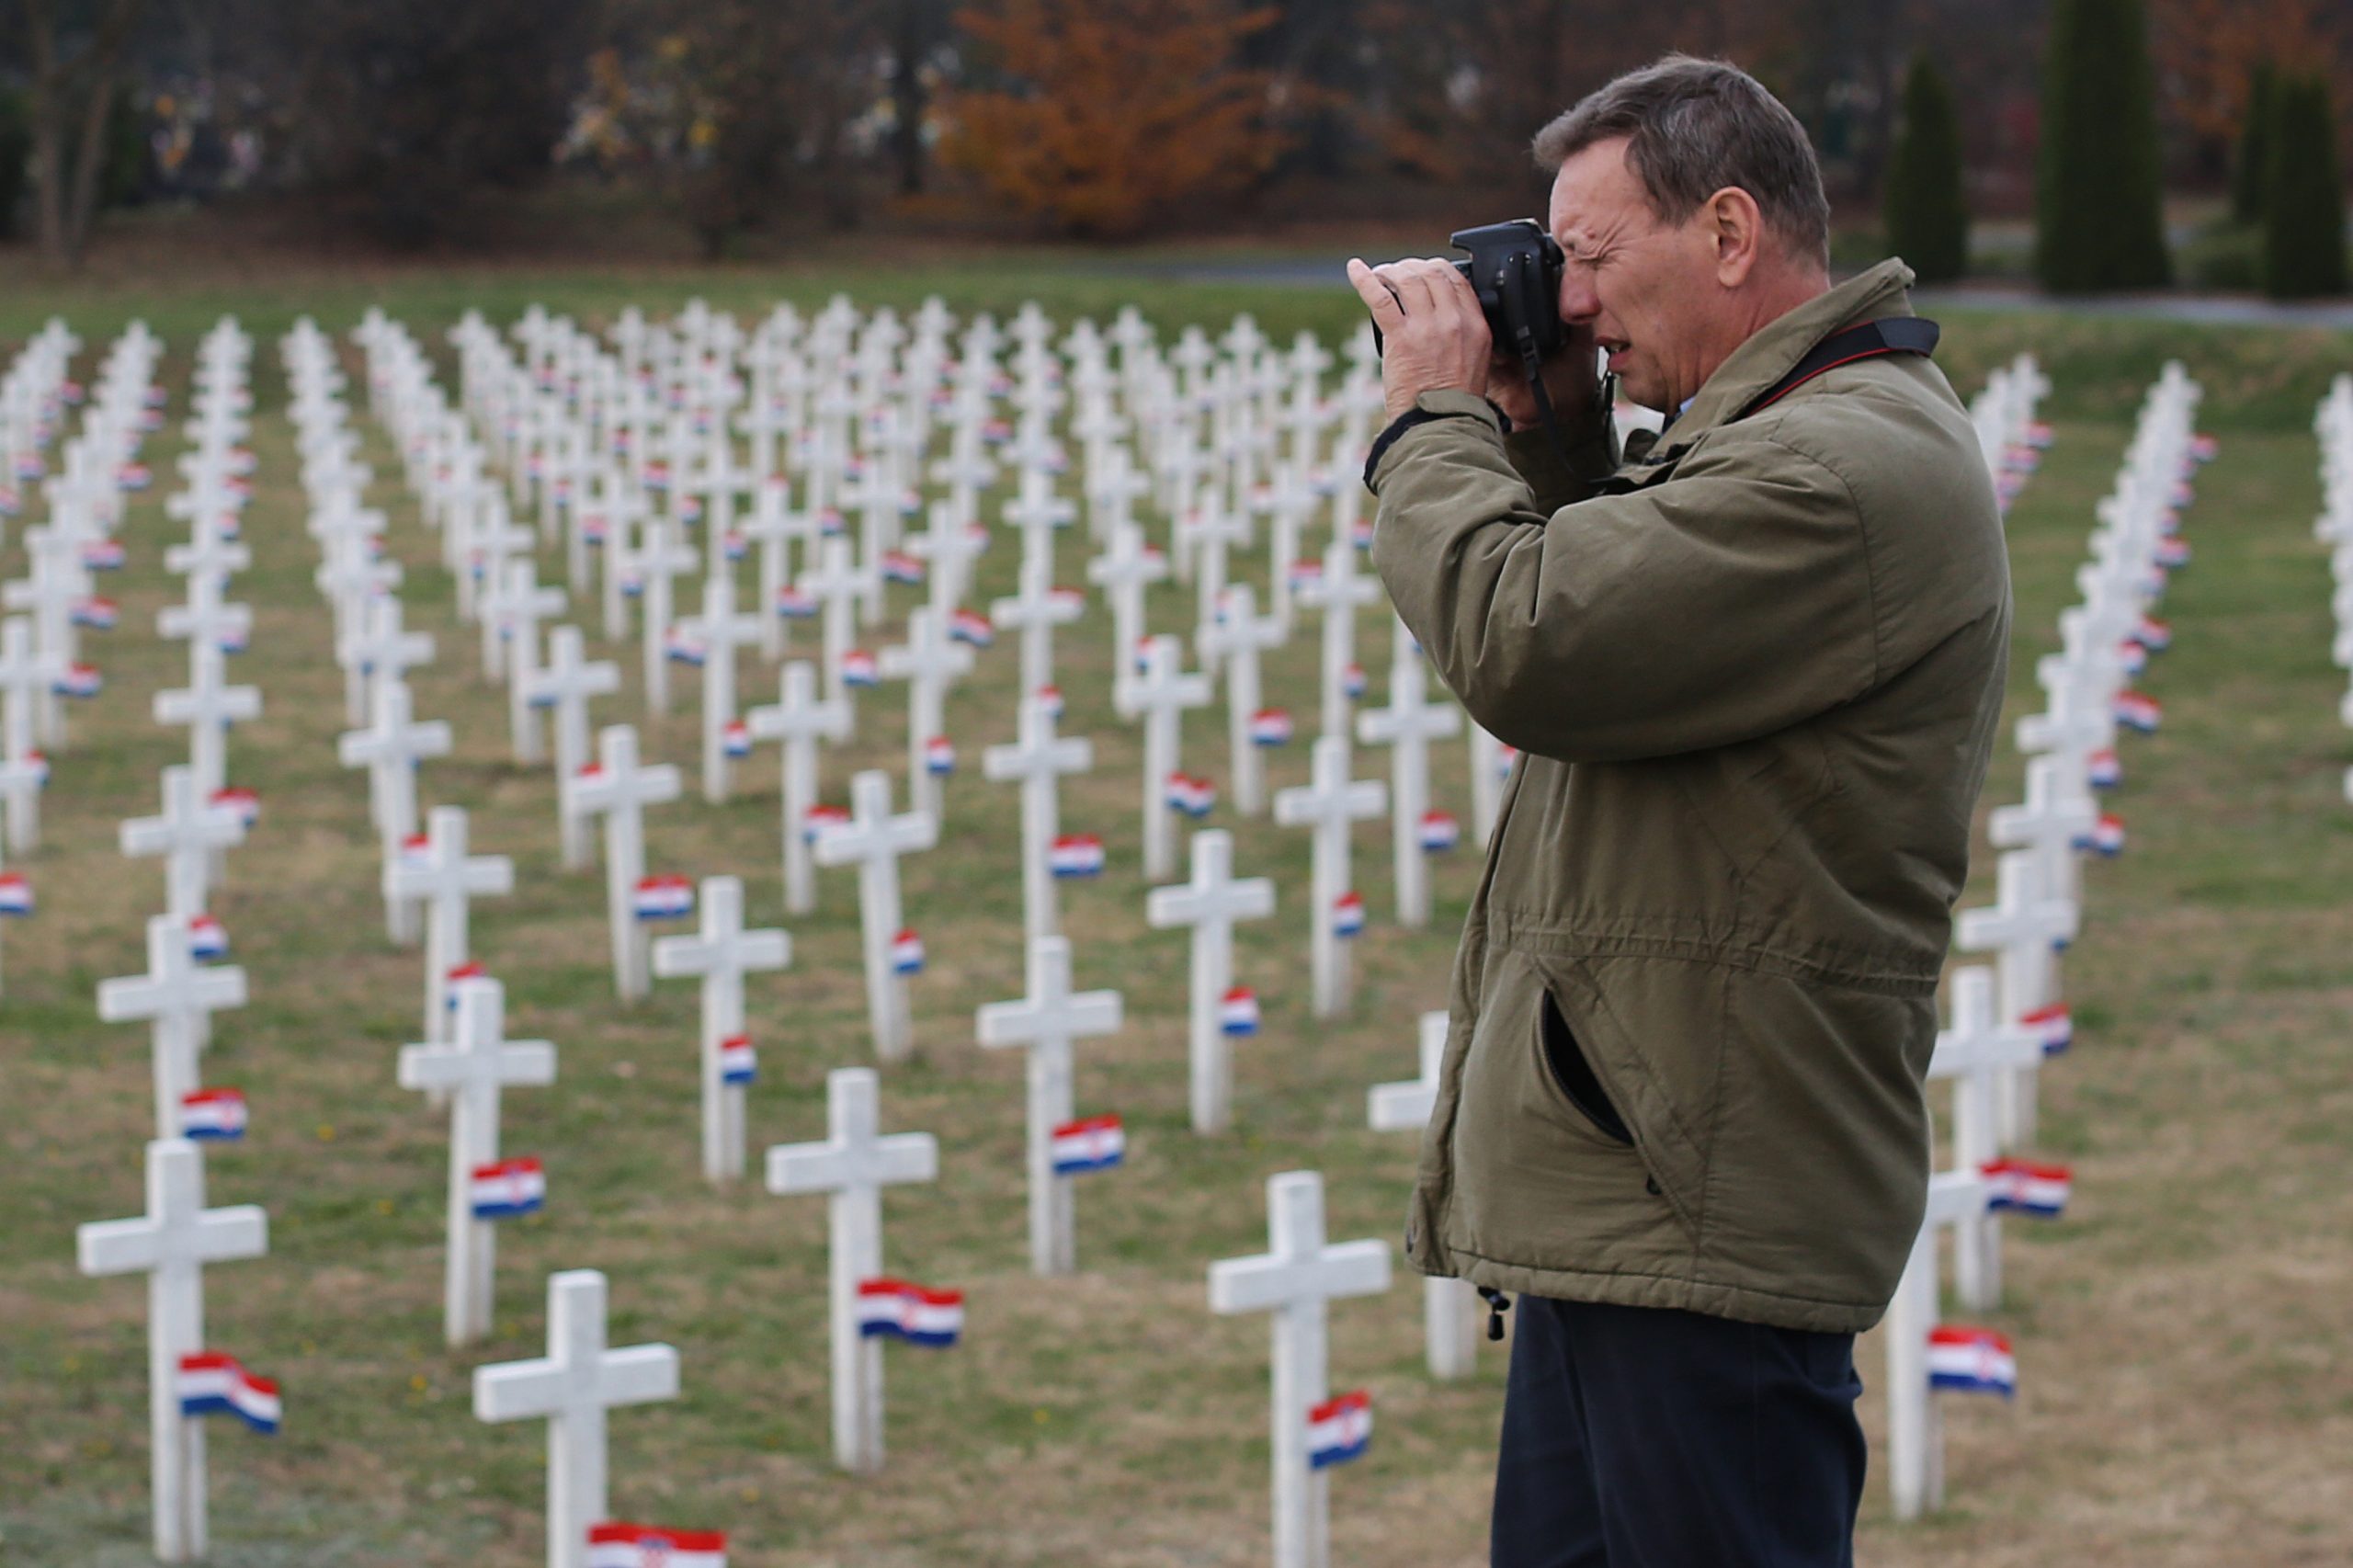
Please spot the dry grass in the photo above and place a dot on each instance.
(2186, 1397)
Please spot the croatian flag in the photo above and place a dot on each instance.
(1971, 1361)
(213, 1115)
(907, 953)
(1347, 914)
(416, 849)
(657, 476)
(508, 1190)
(616, 1544)
(820, 820)
(207, 938)
(1066, 600)
(735, 740)
(2132, 657)
(2104, 770)
(1192, 796)
(460, 973)
(1237, 1014)
(1439, 832)
(1505, 757)
(737, 1064)
(682, 647)
(1361, 534)
(1090, 1143)
(1052, 696)
(1076, 855)
(79, 680)
(2155, 635)
(938, 756)
(98, 615)
(829, 522)
(2053, 1025)
(212, 1383)
(970, 626)
(592, 529)
(895, 1309)
(1305, 574)
(2107, 837)
(731, 544)
(133, 476)
(39, 762)
(898, 567)
(669, 897)
(244, 802)
(1352, 680)
(1270, 727)
(16, 894)
(2026, 1187)
(2136, 710)
(632, 582)
(857, 668)
(1339, 1429)
(794, 605)
(102, 555)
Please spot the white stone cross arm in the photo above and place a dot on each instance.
(1405, 1107)
(1299, 1266)
(855, 1156)
(178, 1229)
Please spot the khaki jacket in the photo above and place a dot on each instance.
(1754, 675)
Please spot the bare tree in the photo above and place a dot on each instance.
(77, 71)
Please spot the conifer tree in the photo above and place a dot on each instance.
(2100, 197)
(1925, 207)
(2252, 168)
(2303, 199)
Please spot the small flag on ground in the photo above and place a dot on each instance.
(735, 740)
(1090, 1143)
(1237, 1013)
(1347, 914)
(508, 1190)
(2026, 1187)
(1971, 1361)
(16, 894)
(1439, 832)
(207, 938)
(970, 626)
(1076, 855)
(794, 605)
(2053, 1025)
(670, 897)
(2104, 769)
(938, 756)
(857, 668)
(1339, 1429)
(895, 1309)
(898, 567)
(2107, 837)
(1194, 797)
(211, 1383)
(1270, 727)
(79, 680)
(617, 1544)
(244, 802)
(737, 1064)
(2136, 711)
(907, 953)
(98, 615)
(216, 1116)
(822, 818)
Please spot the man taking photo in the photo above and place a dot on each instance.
(1753, 669)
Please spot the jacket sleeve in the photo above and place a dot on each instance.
(1724, 603)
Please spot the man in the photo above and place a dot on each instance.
(1754, 672)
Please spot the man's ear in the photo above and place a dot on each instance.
(1736, 225)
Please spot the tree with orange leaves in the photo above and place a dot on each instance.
(1089, 134)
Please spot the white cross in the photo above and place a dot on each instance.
(2022, 929)
(948, 547)
(2050, 823)
(1330, 805)
(1210, 532)
(565, 684)
(929, 662)
(381, 650)
(1211, 903)
(851, 1167)
(444, 879)
(391, 752)
(1290, 501)
(186, 833)
(835, 584)
(659, 559)
(797, 721)
(773, 525)
(1914, 1433)
(204, 617)
(1408, 726)
(1127, 566)
(470, 1064)
(1046, 1024)
(176, 997)
(619, 790)
(1450, 1307)
(1233, 640)
(873, 840)
(720, 631)
(511, 641)
(171, 1245)
(26, 679)
(1038, 760)
(208, 707)
(55, 582)
(1036, 512)
(1977, 1051)
(1035, 611)
(721, 954)
(572, 1386)
(624, 516)
(1339, 590)
(1296, 1279)
(1159, 695)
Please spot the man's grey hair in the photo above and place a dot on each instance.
(1696, 127)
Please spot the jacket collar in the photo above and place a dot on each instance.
(1774, 350)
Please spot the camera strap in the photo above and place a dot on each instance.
(1872, 340)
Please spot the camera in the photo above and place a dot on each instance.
(1515, 269)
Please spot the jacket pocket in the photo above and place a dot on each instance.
(1574, 1076)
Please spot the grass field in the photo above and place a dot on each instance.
(2186, 1382)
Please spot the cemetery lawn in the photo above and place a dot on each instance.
(2185, 1352)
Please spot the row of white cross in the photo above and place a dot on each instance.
(2008, 1019)
(2333, 425)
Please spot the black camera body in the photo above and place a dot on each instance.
(1515, 269)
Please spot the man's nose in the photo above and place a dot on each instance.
(1579, 303)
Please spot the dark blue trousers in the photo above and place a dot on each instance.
(1645, 1437)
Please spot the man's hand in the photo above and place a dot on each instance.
(1433, 338)
(1571, 381)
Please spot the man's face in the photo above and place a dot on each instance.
(1647, 290)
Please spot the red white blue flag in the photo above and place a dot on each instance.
(820, 820)
(1066, 600)
(16, 894)
(1339, 1429)
(39, 762)
(1971, 1361)
(898, 567)
(1347, 914)
(102, 555)
(895, 1309)
(1505, 757)
(794, 605)
(2053, 1025)
(1090, 1143)
(508, 1190)
(79, 680)
(732, 544)
(970, 626)
(1194, 797)
(682, 647)
(98, 615)
(2136, 711)
(664, 898)
(857, 668)
(907, 953)
(1270, 727)
(459, 973)
(737, 1063)
(617, 1544)
(1306, 573)
(244, 802)
(2104, 770)
(938, 756)
(1076, 855)
(1237, 1012)
(1052, 696)
(1439, 832)
(2172, 553)
(2026, 1187)
(211, 1383)
(1352, 680)
(207, 938)
(2107, 837)
(2155, 635)
(735, 738)
(212, 1115)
